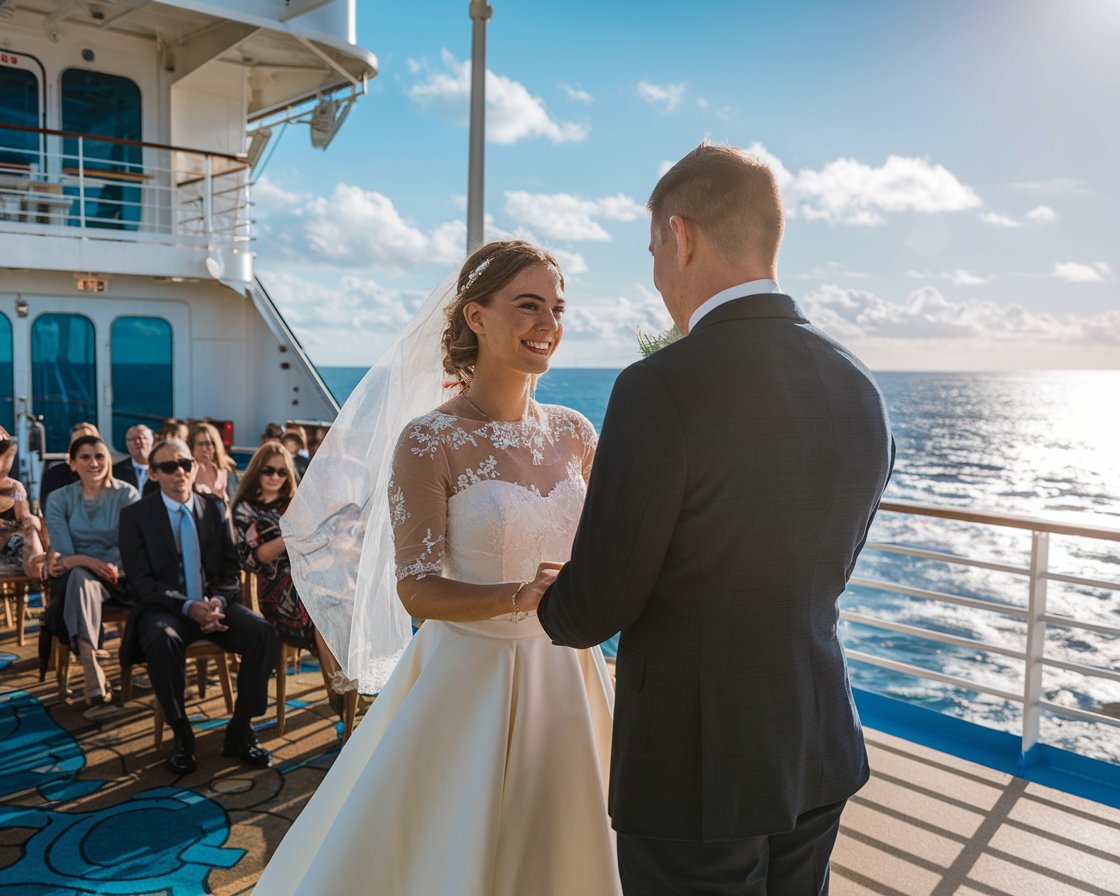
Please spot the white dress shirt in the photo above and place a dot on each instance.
(754, 287)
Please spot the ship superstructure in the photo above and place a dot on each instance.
(129, 131)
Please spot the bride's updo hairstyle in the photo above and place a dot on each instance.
(483, 274)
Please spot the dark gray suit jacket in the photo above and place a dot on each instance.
(124, 471)
(735, 480)
(154, 567)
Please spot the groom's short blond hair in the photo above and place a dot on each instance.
(729, 194)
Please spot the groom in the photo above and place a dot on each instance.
(737, 475)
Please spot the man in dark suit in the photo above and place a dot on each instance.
(181, 564)
(737, 475)
(134, 468)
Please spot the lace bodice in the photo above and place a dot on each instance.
(485, 501)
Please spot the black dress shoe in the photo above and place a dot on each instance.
(247, 748)
(181, 761)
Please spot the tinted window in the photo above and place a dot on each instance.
(63, 374)
(7, 376)
(101, 105)
(19, 104)
(141, 373)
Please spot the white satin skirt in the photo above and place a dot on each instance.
(480, 770)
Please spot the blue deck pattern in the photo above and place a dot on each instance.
(164, 840)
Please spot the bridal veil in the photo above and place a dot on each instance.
(337, 527)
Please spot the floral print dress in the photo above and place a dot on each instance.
(257, 524)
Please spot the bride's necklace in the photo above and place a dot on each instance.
(467, 399)
(490, 417)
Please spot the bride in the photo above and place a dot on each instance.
(481, 767)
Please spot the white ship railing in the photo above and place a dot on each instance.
(122, 190)
(1033, 611)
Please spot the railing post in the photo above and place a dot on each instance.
(207, 195)
(1036, 640)
(81, 183)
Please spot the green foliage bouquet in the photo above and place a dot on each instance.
(649, 344)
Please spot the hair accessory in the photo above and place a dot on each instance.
(477, 272)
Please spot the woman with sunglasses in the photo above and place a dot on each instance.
(216, 469)
(82, 521)
(266, 489)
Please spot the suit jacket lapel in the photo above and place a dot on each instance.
(162, 522)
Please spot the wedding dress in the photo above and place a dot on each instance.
(481, 768)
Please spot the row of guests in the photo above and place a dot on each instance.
(217, 471)
(172, 556)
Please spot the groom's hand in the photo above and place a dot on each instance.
(531, 594)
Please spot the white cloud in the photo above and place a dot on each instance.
(927, 315)
(668, 96)
(847, 191)
(850, 192)
(356, 303)
(615, 322)
(1057, 185)
(957, 278)
(663, 168)
(562, 216)
(356, 227)
(998, 219)
(571, 263)
(1043, 214)
(1077, 272)
(269, 197)
(577, 94)
(512, 112)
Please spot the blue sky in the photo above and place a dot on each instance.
(949, 170)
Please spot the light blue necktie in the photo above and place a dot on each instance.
(192, 554)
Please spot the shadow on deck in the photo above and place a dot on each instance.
(930, 824)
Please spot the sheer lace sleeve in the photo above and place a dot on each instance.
(418, 491)
(586, 439)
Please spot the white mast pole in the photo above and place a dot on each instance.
(480, 14)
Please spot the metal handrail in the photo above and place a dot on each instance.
(197, 198)
(1038, 575)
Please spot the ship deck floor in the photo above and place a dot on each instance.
(930, 824)
(82, 801)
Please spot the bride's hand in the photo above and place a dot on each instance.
(529, 597)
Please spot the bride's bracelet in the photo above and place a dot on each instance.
(518, 615)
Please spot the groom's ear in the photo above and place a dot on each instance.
(684, 234)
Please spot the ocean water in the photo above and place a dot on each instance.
(1034, 444)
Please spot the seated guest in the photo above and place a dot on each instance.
(216, 470)
(82, 521)
(172, 429)
(181, 564)
(264, 494)
(134, 468)
(293, 441)
(21, 548)
(60, 474)
(315, 436)
(272, 432)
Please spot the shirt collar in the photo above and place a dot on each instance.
(753, 287)
(172, 505)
